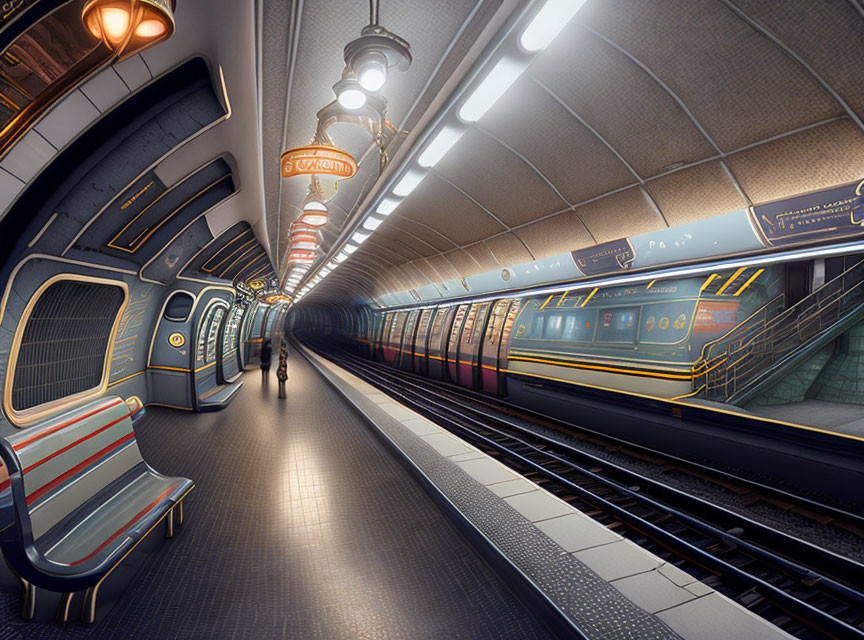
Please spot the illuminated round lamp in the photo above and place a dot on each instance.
(350, 94)
(314, 215)
(304, 236)
(129, 26)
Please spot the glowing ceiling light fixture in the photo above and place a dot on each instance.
(388, 206)
(360, 237)
(408, 183)
(332, 265)
(342, 257)
(372, 223)
(548, 23)
(440, 145)
(350, 94)
(493, 86)
(350, 248)
(374, 52)
(129, 26)
(323, 273)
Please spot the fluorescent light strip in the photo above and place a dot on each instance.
(372, 223)
(548, 23)
(440, 145)
(387, 206)
(408, 183)
(360, 237)
(503, 74)
(350, 248)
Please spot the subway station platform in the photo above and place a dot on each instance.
(302, 525)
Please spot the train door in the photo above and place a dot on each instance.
(489, 351)
(452, 355)
(469, 345)
(229, 354)
(420, 342)
(407, 358)
(207, 348)
(394, 342)
(504, 344)
(438, 335)
(386, 328)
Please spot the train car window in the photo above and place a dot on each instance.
(479, 323)
(536, 329)
(554, 329)
(579, 326)
(618, 324)
(504, 346)
(398, 324)
(454, 331)
(437, 329)
(388, 328)
(422, 328)
(493, 332)
(178, 306)
(468, 331)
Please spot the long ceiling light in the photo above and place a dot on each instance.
(440, 145)
(408, 183)
(387, 206)
(372, 223)
(493, 86)
(548, 23)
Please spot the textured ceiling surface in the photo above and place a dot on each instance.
(639, 116)
(310, 36)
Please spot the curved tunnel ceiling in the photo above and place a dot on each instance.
(638, 117)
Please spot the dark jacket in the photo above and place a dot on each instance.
(266, 354)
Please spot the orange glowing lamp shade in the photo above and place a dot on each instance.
(313, 218)
(300, 256)
(320, 159)
(129, 26)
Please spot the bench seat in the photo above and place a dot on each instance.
(82, 499)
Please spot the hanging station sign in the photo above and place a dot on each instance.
(608, 257)
(318, 159)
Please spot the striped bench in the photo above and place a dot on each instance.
(83, 498)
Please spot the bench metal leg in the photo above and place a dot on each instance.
(170, 520)
(88, 611)
(180, 514)
(28, 607)
(63, 607)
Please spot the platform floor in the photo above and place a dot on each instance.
(303, 525)
(832, 416)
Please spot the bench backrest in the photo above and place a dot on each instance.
(67, 460)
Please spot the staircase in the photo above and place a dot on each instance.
(771, 343)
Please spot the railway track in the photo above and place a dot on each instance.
(806, 590)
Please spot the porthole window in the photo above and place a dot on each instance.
(178, 306)
(62, 347)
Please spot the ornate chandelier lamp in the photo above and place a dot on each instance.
(129, 26)
(368, 61)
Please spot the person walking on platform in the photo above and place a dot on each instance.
(282, 369)
(266, 355)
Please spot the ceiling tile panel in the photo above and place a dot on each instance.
(483, 255)
(508, 249)
(443, 207)
(827, 21)
(813, 159)
(623, 214)
(735, 82)
(620, 101)
(498, 179)
(696, 193)
(551, 236)
(572, 158)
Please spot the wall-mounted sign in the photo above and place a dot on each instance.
(318, 159)
(616, 255)
(832, 213)
(177, 340)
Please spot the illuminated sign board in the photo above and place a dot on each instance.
(318, 159)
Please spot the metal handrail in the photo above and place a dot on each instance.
(732, 362)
